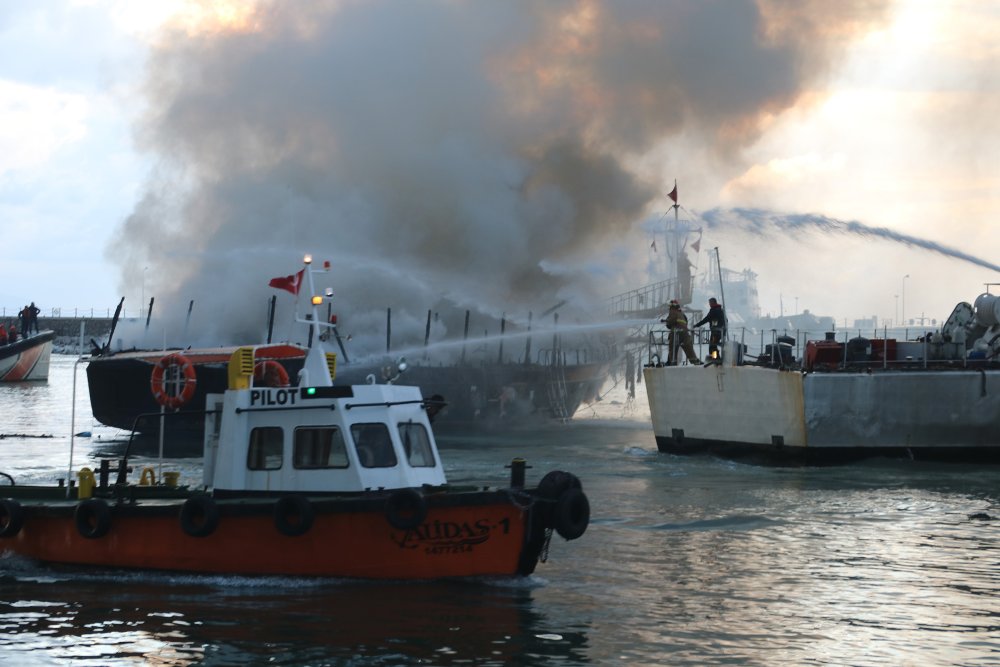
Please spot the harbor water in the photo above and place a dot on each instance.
(687, 561)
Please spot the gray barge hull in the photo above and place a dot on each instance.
(770, 415)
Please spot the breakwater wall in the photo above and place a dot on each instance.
(70, 327)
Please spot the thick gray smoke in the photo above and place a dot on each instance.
(443, 155)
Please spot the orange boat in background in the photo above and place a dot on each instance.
(27, 358)
(313, 479)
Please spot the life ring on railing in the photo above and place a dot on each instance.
(293, 515)
(572, 513)
(405, 509)
(199, 516)
(269, 373)
(184, 392)
(11, 517)
(93, 518)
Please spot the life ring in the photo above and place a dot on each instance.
(572, 514)
(405, 509)
(93, 518)
(199, 516)
(293, 515)
(185, 390)
(269, 373)
(11, 517)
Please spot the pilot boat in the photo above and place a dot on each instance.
(308, 479)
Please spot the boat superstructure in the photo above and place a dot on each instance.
(834, 400)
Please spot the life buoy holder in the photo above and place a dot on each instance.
(199, 516)
(270, 373)
(572, 513)
(11, 517)
(185, 385)
(293, 515)
(93, 518)
(405, 509)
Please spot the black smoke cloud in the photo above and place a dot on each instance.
(443, 155)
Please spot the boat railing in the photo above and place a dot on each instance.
(825, 351)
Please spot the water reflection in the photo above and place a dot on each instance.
(104, 618)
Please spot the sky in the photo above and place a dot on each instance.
(494, 157)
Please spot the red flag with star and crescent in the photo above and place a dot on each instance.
(288, 283)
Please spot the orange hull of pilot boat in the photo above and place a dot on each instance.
(470, 540)
(314, 480)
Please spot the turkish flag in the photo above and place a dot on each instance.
(288, 283)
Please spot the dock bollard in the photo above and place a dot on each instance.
(517, 467)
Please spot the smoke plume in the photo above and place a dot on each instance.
(444, 155)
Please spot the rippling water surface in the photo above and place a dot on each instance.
(688, 561)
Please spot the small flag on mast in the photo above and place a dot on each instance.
(673, 193)
(288, 283)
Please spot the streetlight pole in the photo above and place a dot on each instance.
(903, 311)
(897, 310)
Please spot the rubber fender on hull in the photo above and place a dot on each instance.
(93, 518)
(293, 515)
(199, 516)
(405, 509)
(553, 485)
(11, 517)
(572, 514)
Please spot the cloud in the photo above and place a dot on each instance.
(35, 122)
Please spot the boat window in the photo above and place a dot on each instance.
(266, 445)
(416, 444)
(319, 447)
(374, 445)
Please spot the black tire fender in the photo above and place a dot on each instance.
(293, 515)
(93, 518)
(572, 514)
(553, 485)
(405, 509)
(11, 517)
(199, 516)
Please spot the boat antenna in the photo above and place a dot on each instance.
(672, 247)
(722, 290)
(316, 368)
